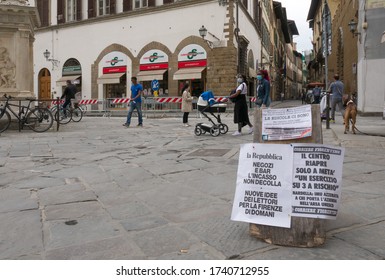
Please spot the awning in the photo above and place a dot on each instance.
(151, 75)
(110, 78)
(189, 73)
(63, 80)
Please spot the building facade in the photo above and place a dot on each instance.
(100, 45)
(355, 47)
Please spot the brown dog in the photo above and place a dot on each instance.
(350, 114)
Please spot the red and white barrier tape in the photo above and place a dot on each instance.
(88, 101)
(221, 99)
(120, 100)
(169, 100)
(55, 102)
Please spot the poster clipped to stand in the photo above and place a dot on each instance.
(264, 185)
(317, 180)
(278, 181)
(286, 123)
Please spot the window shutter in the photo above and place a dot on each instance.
(42, 8)
(112, 7)
(91, 8)
(151, 3)
(127, 5)
(60, 11)
(79, 10)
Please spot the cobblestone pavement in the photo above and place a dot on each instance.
(96, 190)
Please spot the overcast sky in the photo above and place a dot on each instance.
(298, 10)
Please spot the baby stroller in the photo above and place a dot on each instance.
(323, 106)
(207, 106)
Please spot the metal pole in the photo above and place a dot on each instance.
(325, 14)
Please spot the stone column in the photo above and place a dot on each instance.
(17, 23)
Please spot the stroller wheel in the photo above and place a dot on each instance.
(215, 131)
(197, 131)
(223, 128)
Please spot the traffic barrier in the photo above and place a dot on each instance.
(169, 99)
(88, 101)
(56, 101)
(120, 100)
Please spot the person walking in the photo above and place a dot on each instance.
(317, 95)
(68, 94)
(186, 103)
(135, 102)
(336, 89)
(241, 115)
(263, 89)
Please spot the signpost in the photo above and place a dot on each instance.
(305, 230)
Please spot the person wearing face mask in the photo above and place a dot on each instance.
(263, 88)
(241, 114)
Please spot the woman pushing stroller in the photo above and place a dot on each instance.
(241, 114)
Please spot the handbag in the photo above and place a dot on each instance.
(258, 101)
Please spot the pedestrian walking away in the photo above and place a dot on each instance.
(186, 103)
(135, 102)
(68, 94)
(241, 115)
(263, 89)
(337, 91)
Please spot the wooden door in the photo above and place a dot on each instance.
(45, 84)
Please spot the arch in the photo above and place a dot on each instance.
(250, 59)
(95, 66)
(192, 40)
(154, 45)
(71, 62)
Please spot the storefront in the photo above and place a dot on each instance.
(113, 77)
(72, 71)
(192, 63)
(153, 74)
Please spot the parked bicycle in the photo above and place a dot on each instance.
(38, 119)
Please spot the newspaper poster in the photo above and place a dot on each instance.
(317, 178)
(264, 185)
(286, 123)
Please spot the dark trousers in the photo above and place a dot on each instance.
(185, 117)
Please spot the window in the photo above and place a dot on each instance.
(140, 4)
(103, 7)
(71, 10)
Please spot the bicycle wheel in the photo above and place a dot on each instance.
(63, 116)
(39, 119)
(83, 107)
(77, 114)
(5, 120)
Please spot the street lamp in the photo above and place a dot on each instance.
(47, 54)
(203, 32)
(353, 27)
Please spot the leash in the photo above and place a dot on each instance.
(364, 133)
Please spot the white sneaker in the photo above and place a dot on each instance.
(251, 130)
(237, 133)
(186, 125)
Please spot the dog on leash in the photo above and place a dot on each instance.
(350, 115)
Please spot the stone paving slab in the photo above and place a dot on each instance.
(20, 234)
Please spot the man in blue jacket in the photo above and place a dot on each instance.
(135, 102)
